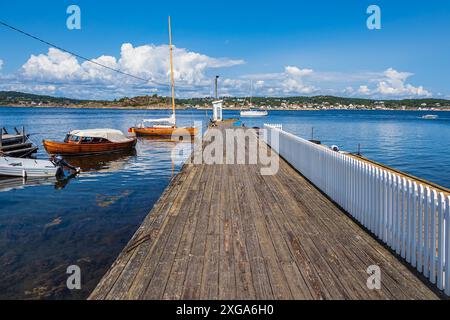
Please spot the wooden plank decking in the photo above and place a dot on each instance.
(227, 232)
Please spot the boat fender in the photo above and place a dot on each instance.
(335, 148)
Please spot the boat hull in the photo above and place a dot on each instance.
(13, 167)
(164, 131)
(76, 149)
(254, 114)
(430, 117)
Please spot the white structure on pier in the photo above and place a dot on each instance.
(218, 110)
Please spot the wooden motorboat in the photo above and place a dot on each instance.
(166, 127)
(95, 141)
(16, 167)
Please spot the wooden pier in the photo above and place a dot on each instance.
(228, 232)
(16, 145)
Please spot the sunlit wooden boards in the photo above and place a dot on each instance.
(228, 232)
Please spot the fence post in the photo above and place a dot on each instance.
(433, 237)
(404, 216)
(447, 247)
(409, 221)
(378, 203)
(414, 225)
(441, 221)
(396, 215)
(388, 209)
(426, 242)
(420, 230)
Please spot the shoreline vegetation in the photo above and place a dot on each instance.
(155, 102)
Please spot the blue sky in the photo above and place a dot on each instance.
(284, 47)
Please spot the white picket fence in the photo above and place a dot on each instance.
(410, 217)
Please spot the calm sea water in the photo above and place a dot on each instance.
(48, 225)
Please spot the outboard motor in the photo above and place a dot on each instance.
(61, 163)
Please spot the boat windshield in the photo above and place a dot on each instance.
(73, 138)
(93, 140)
(87, 140)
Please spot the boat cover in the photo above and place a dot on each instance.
(108, 134)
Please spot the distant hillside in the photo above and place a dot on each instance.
(12, 97)
(325, 100)
(26, 99)
(154, 101)
(331, 100)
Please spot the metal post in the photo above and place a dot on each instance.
(216, 88)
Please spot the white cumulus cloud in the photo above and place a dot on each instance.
(297, 72)
(394, 85)
(364, 90)
(1, 64)
(148, 62)
(289, 82)
(63, 74)
(55, 65)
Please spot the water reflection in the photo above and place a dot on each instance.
(111, 162)
(11, 183)
(48, 224)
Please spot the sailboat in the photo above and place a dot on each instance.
(252, 111)
(165, 126)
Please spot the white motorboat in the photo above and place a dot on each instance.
(430, 117)
(254, 113)
(17, 167)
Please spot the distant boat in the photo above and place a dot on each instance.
(94, 141)
(254, 113)
(430, 117)
(166, 126)
(16, 167)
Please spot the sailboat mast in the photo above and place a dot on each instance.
(172, 80)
